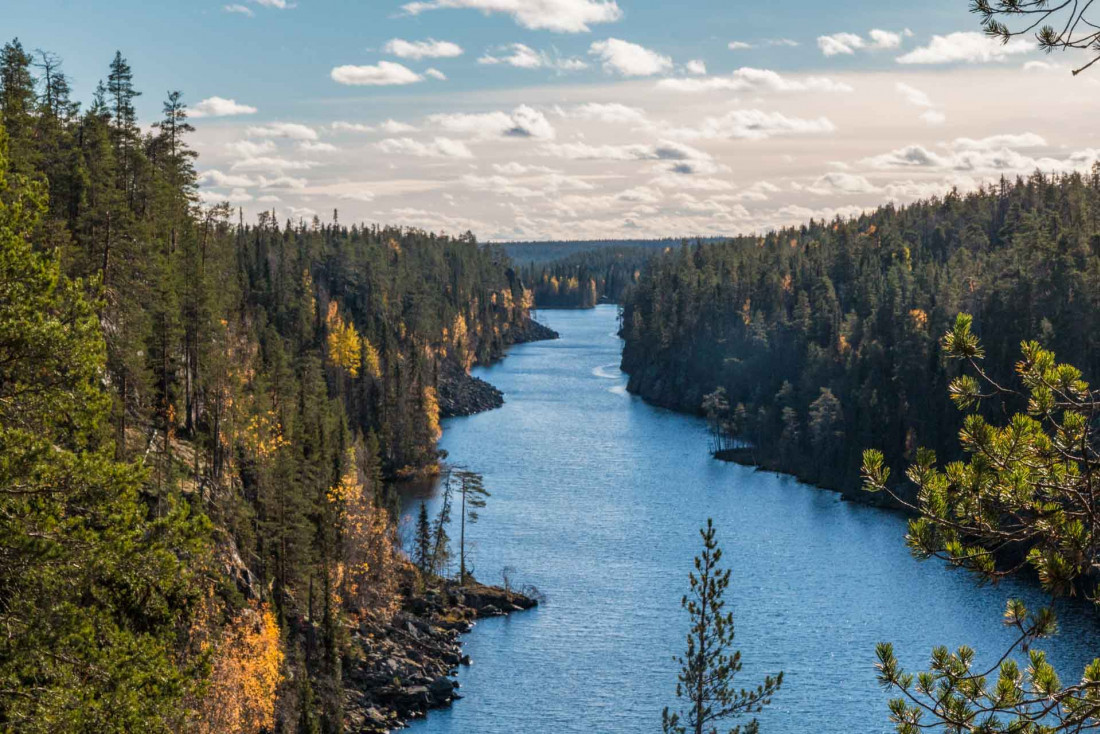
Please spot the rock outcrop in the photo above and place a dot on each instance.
(404, 667)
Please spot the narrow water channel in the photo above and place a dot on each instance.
(597, 498)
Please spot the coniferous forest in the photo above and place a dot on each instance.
(809, 345)
(199, 420)
(285, 445)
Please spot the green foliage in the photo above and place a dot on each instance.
(707, 670)
(137, 322)
(1027, 485)
(856, 307)
(95, 594)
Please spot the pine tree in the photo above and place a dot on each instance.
(472, 488)
(706, 669)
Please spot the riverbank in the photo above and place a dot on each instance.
(750, 457)
(403, 667)
(460, 393)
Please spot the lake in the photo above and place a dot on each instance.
(597, 498)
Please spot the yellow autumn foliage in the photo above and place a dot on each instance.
(430, 402)
(344, 344)
(246, 665)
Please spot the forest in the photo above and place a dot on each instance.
(808, 345)
(199, 421)
(585, 279)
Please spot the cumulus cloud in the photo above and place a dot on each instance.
(562, 16)
(913, 95)
(629, 59)
(755, 125)
(522, 122)
(435, 74)
(384, 73)
(221, 107)
(839, 183)
(991, 154)
(666, 150)
(217, 179)
(696, 66)
(608, 112)
(839, 43)
(250, 148)
(271, 164)
(437, 148)
(747, 79)
(522, 56)
(429, 49)
(738, 45)
(291, 130)
(238, 8)
(965, 46)
(848, 43)
(350, 127)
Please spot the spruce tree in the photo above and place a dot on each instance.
(707, 670)
(422, 549)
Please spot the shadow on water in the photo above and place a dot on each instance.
(597, 499)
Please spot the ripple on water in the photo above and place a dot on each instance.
(597, 500)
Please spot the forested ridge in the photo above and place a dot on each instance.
(812, 344)
(585, 279)
(198, 419)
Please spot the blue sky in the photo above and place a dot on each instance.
(598, 117)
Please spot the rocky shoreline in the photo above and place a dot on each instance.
(404, 666)
(460, 393)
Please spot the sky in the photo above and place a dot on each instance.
(577, 119)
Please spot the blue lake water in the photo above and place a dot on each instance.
(597, 499)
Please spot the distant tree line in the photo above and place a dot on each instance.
(586, 279)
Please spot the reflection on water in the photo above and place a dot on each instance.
(597, 498)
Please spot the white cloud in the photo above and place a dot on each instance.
(220, 107)
(522, 122)
(279, 4)
(312, 147)
(437, 148)
(522, 56)
(1044, 66)
(738, 46)
(665, 150)
(839, 43)
(755, 125)
(435, 74)
(969, 46)
(884, 39)
(384, 73)
(696, 66)
(271, 164)
(913, 95)
(429, 49)
(350, 127)
(629, 59)
(748, 79)
(1021, 140)
(608, 112)
(395, 127)
(562, 16)
(291, 130)
(238, 8)
(848, 43)
(216, 178)
(250, 148)
(838, 183)
(933, 117)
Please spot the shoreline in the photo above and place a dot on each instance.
(405, 667)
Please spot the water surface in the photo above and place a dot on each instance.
(597, 499)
